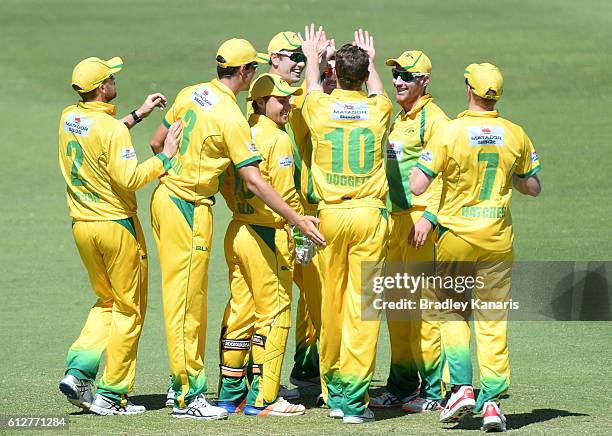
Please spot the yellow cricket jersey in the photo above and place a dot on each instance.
(476, 155)
(299, 133)
(99, 163)
(276, 168)
(348, 131)
(214, 133)
(409, 134)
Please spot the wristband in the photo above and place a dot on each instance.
(134, 115)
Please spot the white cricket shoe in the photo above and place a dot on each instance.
(105, 406)
(199, 408)
(387, 399)
(460, 404)
(280, 407)
(419, 405)
(336, 413)
(368, 416)
(288, 394)
(492, 417)
(170, 397)
(79, 392)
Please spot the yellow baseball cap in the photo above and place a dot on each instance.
(236, 52)
(413, 61)
(271, 84)
(91, 72)
(284, 41)
(483, 78)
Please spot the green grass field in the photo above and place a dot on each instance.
(556, 61)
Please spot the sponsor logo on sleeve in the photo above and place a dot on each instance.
(285, 161)
(427, 157)
(534, 157)
(252, 148)
(395, 150)
(128, 153)
(486, 135)
(77, 124)
(350, 111)
(206, 98)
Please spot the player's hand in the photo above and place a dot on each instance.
(420, 232)
(308, 226)
(366, 42)
(314, 43)
(151, 102)
(330, 51)
(173, 138)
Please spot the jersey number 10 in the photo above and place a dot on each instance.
(356, 149)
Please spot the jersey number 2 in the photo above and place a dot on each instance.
(76, 163)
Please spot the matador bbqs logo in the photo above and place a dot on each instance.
(350, 111)
(206, 98)
(486, 135)
(77, 124)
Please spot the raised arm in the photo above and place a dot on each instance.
(151, 102)
(366, 42)
(314, 45)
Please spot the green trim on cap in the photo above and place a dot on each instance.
(266, 59)
(289, 42)
(415, 62)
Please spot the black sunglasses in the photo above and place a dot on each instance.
(406, 76)
(295, 56)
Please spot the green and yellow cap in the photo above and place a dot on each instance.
(236, 52)
(413, 61)
(271, 84)
(91, 72)
(483, 78)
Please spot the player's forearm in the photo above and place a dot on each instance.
(419, 181)
(374, 82)
(313, 74)
(132, 178)
(528, 186)
(157, 142)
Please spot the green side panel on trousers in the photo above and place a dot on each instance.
(459, 364)
(197, 386)
(490, 390)
(83, 364)
(128, 223)
(267, 234)
(403, 379)
(187, 209)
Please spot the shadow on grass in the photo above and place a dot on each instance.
(150, 401)
(518, 420)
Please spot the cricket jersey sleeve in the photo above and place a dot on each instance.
(529, 162)
(433, 157)
(311, 101)
(227, 188)
(433, 204)
(123, 167)
(281, 169)
(237, 137)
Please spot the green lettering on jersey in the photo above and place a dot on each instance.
(492, 160)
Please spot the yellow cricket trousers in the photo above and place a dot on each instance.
(348, 343)
(115, 255)
(258, 313)
(455, 257)
(183, 233)
(416, 346)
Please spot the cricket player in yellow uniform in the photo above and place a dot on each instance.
(259, 255)
(415, 343)
(287, 61)
(480, 157)
(101, 170)
(349, 133)
(214, 135)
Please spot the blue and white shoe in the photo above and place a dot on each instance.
(280, 407)
(79, 392)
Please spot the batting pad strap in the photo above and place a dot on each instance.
(235, 344)
(228, 371)
(257, 369)
(259, 340)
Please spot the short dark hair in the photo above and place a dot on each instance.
(257, 109)
(225, 71)
(352, 64)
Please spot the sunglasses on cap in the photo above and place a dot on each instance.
(295, 56)
(327, 73)
(252, 65)
(406, 76)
